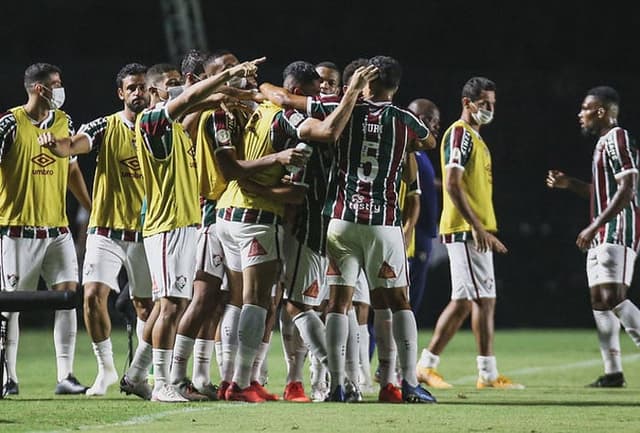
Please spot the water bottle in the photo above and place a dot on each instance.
(307, 150)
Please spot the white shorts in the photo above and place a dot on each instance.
(378, 250)
(172, 262)
(24, 260)
(472, 274)
(248, 244)
(304, 271)
(209, 255)
(361, 292)
(105, 257)
(609, 263)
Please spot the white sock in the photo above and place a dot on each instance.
(182, 349)
(13, 336)
(365, 363)
(405, 332)
(313, 334)
(161, 367)
(107, 374)
(352, 357)
(294, 348)
(261, 357)
(337, 331)
(386, 345)
(218, 348)
(608, 327)
(287, 331)
(142, 359)
(487, 368)
(65, 328)
(250, 333)
(202, 351)
(629, 316)
(139, 328)
(263, 367)
(428, 359)
(229, 339)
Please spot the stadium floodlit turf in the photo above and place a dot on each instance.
(554, 364)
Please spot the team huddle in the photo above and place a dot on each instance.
(233, 204)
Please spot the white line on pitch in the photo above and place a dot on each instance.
(465, 380)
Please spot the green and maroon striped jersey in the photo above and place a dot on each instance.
(615, 156)
(310, 226)
(365, 177)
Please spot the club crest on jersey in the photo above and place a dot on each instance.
(362, 203)
(13, 279)
(296, 118)
(181, 282)
(223, 136)
(255, 249)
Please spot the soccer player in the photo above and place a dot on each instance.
(364, 233)
(115, 231)
(468, 225)
(329, 78)
(217, 134)
(305, 234)
(35, 238)
(426, 228)
(250, 231)
(611, 238)
(167, 159)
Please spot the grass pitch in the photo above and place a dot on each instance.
(553, 364)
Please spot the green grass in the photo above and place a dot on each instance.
(553, 364)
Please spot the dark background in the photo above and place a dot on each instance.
(543, 57)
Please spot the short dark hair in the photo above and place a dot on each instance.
(389, 71)
(329, 65)
(193, 62)
(475, 86)
(300, 72)
(38, 73)
(154, 73)
(130, 69)
(606, 95)
(351, 68)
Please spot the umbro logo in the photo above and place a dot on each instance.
(131, 163)
(43, 160)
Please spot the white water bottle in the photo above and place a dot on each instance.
(307, 150)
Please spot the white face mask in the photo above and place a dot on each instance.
(238, 82)
(57, 97)
(482, 116)
(175, 91)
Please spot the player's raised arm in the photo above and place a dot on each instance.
(199, 91)
(329, 129)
